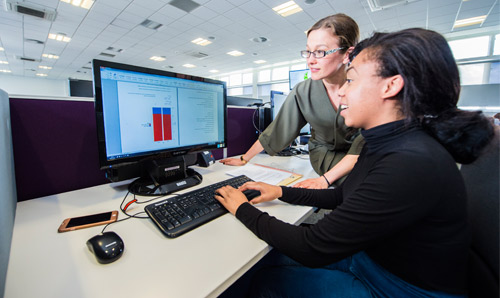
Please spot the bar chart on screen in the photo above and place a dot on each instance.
(162, 124)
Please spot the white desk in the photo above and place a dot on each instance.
(201, 263)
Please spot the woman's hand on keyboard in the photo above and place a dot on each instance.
(268, 192)
(313, 183)
(230, 197)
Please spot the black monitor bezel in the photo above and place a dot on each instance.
(106, 163)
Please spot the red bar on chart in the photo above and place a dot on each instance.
(167, 124)
(157, 126)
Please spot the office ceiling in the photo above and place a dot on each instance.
(113, 27)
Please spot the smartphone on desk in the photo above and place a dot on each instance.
(87, 221)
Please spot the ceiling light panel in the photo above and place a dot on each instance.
(59, 37)
(287, 8)
(259, 61)
(50, 56)
(469, 21)
(87, 4)
(201, 41)
(189, 65)
(235, 53)
(158, 58)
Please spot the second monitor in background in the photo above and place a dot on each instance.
(277, 100)
(297, 76)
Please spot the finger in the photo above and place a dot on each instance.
(248, 185)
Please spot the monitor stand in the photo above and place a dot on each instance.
(165, 176)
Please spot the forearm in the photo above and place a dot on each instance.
(342, 168)
(254, 150)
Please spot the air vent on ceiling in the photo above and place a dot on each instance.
(151, 24)
(35, 41)
(198, 55)
(185, 5)
(86, 67)
(31, 10)
(113, 49)
(107, 55)
(28, 59)
(376, 5)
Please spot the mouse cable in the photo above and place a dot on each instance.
(120, 220)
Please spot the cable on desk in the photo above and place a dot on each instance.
(124, 209)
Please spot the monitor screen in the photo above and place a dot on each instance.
(297, 76)
(144, 112)
(277, 100)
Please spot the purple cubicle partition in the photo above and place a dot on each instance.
(55, 144)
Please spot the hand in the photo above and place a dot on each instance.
(313, 183)
(232, 162)
(230, 197)
(268, 192)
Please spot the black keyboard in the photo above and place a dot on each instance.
(178, 215)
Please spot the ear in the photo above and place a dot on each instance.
(393, 85)
(346, 55)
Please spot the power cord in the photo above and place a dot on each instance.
(135, 215)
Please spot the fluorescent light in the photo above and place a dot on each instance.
(44, 67)
(214, 71)
(259, 61)
(87, 4)
(287, 8)
(2, 49)
(201, 41)
(4, 70)
(235, 53)
(469, 21)
(158, 58)
(50, 56)
(4, 62)
(59, 37)
(41, 74)
(189, 65)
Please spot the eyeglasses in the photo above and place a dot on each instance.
(318, 53)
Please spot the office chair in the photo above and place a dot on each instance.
(482, 183)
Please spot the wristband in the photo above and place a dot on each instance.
(327, 182)
(242, 160)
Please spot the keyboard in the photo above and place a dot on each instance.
(178, 215)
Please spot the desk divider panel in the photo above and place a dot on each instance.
(55, 144)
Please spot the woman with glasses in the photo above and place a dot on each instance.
(333, 147)
(399, 222)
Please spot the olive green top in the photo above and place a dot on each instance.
(330, 138)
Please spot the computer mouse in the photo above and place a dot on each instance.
(106, 247)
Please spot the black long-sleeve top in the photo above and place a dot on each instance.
(404, 204)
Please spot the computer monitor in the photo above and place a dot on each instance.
(297, 76)
(148, 120)
(277, 100)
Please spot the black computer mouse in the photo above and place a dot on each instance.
(106, 247)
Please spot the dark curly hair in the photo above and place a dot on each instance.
(431, 88)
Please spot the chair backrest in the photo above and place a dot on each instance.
(482, 183)
(8, 199)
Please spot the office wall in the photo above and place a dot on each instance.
(7, 184)
(34, 86)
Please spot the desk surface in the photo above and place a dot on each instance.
(201, 263)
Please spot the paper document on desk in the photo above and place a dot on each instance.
(265, 174)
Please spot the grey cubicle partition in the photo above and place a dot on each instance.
(8, 198)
